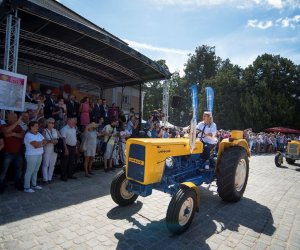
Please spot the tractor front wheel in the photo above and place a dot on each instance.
(290, 161)
(278, 159)
(232, 174)
(118, 190)
(181, 210)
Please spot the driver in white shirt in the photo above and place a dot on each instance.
(207, 134)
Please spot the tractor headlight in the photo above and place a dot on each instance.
(170, 162)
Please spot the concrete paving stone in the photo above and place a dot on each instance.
(212, 245)
(10, 244)
(79, 240)
(67, 244)
(282, 235)
(291, 247)
(278, 242)
(277, 247)
(28, 244)
(99, 247)
(253, 234)
(90, 235)
(59, 240)
(260, 245)
(102, 238)
(92, 242)
(248, 243)
(43, 239)
(294, 242)
(17, 234)
(82, 231)
(225, 247)
(51, 229)
(74, 227)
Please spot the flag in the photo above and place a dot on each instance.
(192, 142)
(209, 98)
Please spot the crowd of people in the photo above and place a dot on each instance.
(262, 142)
(56, 133)
(59, 130)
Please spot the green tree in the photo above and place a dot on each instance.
(270, 96)
(202, 65)
(227, 85)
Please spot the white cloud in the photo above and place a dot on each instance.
(261, 25)
(288, 22)
(145, 46)
(276, 3)
(175, 58)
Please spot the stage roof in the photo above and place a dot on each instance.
(53, 36)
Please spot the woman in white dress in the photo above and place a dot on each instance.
(89, 138)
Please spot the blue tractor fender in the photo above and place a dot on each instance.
(196, 189)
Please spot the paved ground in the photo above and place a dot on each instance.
(80, 214)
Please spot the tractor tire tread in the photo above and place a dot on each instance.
(226, 173)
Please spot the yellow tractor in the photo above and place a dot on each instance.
(169, 166)
(291, 154)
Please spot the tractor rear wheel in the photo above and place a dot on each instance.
(232, 174)
(278, 159)
(290, 161)
(118, 190)
(181, 210)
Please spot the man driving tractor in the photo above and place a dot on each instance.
(207, 134)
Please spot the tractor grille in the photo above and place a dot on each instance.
(293, 149)
(136, 162)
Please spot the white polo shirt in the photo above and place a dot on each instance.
(212, 128)
(69, 134)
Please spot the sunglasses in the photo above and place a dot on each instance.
(50, 122)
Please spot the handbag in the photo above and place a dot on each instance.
(83, 145)
(58, 147)
(103, 145)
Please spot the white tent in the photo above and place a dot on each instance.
(168, 125)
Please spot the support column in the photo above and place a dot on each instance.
(165, 108)
(140, 106)
(12, 42)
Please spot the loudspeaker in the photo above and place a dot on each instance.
(176, 101)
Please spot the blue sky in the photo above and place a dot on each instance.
(170, 29)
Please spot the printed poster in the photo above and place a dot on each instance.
(12, 90)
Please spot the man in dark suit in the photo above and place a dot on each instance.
(104, 112)
(72, 107)
(50, 105)
(28, 95)
(96, 114)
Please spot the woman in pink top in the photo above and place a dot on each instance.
(84, 112)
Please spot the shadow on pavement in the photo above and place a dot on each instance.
(16, 205)
(282, 166)
(215, 216)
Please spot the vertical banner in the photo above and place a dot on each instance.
(12, 90)
(209, 98)
(194, 89)
(194, 93)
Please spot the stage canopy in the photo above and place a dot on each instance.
(283, 130)
(54, 37)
